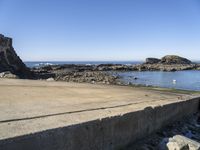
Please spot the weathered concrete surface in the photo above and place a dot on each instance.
(57, 116)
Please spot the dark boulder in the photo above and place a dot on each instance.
(173, 59)
(152, 60)
(9, 61)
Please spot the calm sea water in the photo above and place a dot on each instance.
(186, 80)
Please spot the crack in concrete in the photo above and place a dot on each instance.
(72, 112)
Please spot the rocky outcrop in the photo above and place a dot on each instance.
(168, 60)
(106, 73)
(167, 63)
(113, 67)
(9, 61)
(165, 67)
(89, 77)
(84, 73)
(152, 60)
(173, 59)
(76, 73)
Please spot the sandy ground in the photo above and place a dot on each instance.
(28, 106)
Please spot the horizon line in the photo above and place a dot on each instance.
(89, 60)
(81, 60)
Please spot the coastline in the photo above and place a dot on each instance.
(116, 74)
(93, 74)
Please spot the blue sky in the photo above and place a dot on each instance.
(67, 30)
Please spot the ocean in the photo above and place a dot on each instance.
(32, 64)
(185, 80)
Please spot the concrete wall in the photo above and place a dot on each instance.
(105, 134)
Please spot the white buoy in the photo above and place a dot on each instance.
(174, 81)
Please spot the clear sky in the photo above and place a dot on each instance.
(67, 30)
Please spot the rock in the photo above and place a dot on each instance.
(9, 61)
(8, 74)
(50, 79)
(111, 67)
(173, 59)
(168, 59)
(167, 63)
(87, 76)
(152, 60)
(151, 65)
(173, 145)
(179, 142)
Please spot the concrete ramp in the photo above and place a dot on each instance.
(66, 116)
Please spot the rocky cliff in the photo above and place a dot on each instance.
(9, 61)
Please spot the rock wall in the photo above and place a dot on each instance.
(10, 61)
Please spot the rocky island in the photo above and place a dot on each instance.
(168, 63)
(11, 66)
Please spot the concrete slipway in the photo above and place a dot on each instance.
(40, 115)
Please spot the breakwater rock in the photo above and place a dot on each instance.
(10, 61)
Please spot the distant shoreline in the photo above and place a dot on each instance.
(44, 63)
